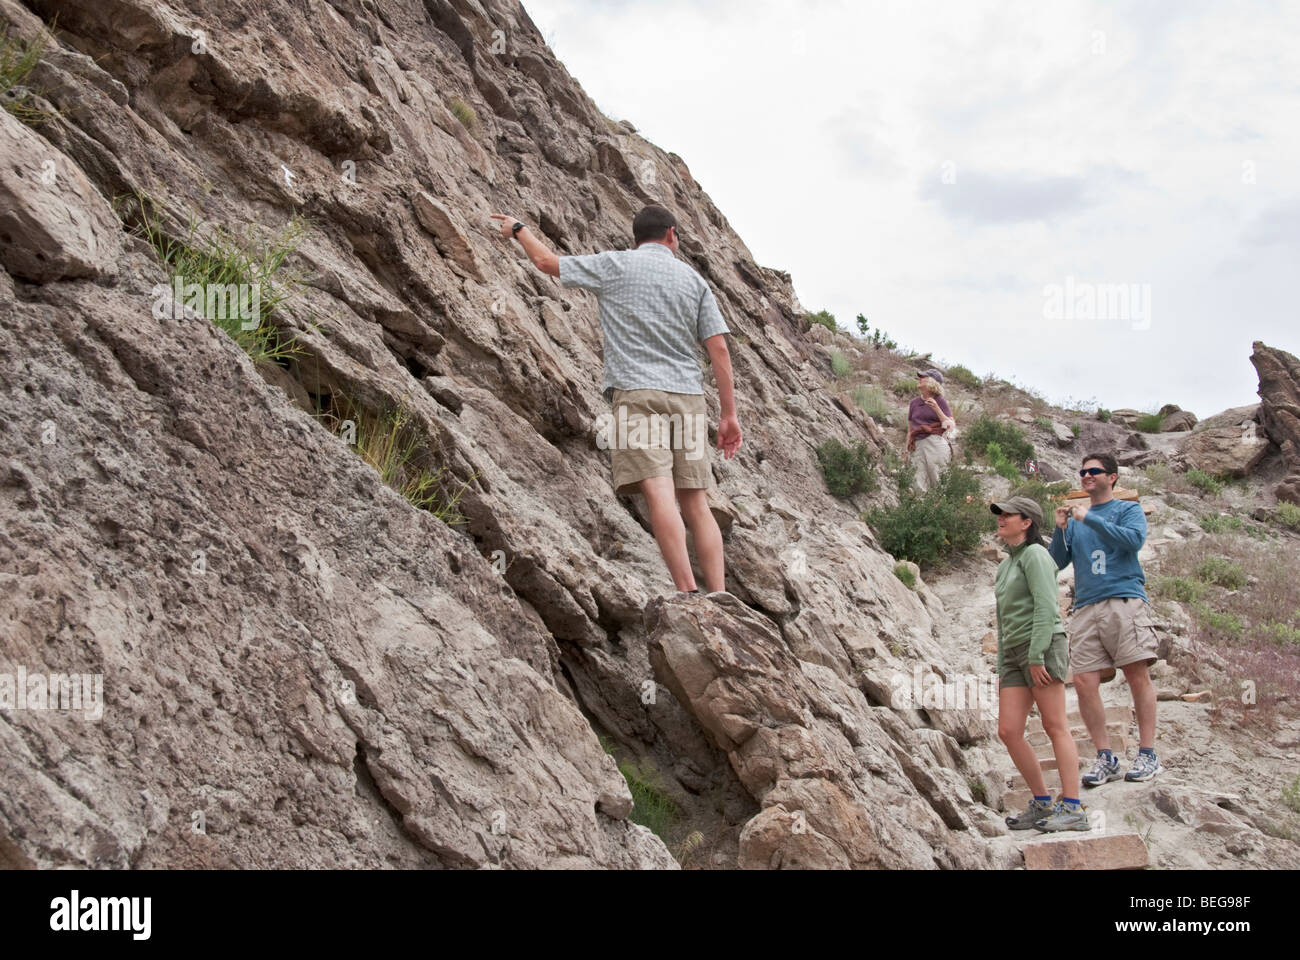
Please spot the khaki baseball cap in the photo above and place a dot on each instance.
(1021, 505)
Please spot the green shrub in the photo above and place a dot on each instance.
(1149, 423)
(872, 402)
(946, 521)
(1043, 423)
(1221, 523)
(1076, 429)
(1283, 634)
(463, 112)
(1291, 795)
(848, 470)
(1048, 496)
(1182, 589)
(903, 474)
(825, 318)
(904, 388)
(905, 574)
(1225, 623)
(881, 339)
(17, 60)
(840, 365)
(1010, 439)
(1204, 482)
(1287, 515)
(963, 375)
(1103, 415)
(1221, 571)
(1000, 464)
(863, 326)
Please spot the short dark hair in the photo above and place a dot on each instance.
(1106, 460)
(652, 223)
(1033, 534)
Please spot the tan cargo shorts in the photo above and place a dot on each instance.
(657, 434)
(1112, 633)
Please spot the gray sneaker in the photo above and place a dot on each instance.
(1145, 768)
(1036, 811)
(1102, 772)
(1064, 818)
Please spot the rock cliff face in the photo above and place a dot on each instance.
(1279, 412)
(299, 667)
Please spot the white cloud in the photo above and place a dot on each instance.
(1148, 143)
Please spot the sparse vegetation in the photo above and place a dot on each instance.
(1103, 415)
(929, 528)
(904, 388)
(825, 318)
(1149, 423)
(848, 470)
(1000, 464)
(1287, 515)
(237, 280)
(1043, 423)
(1204, 482)
(905, 575)
(840, 365)
(17, 60)
(463, 112)
(1076, 429)
(871, 401)
(1182, 589)
(1291, 794)
(962, 375)
(1222, 572)
(651, 807)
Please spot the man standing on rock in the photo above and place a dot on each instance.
(1112, 626)
(654, 311)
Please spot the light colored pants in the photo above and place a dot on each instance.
(931, 455)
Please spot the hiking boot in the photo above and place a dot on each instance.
(1036, 811)
(1064, 817)
(1102, 772)
(1145, 768)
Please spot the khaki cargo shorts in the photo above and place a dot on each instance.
(1112, 633)
(657, 434)
(1013, 664)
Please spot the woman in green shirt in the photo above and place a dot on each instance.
(1032, 661)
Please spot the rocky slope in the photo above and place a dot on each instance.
(302, 669)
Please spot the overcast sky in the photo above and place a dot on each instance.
(969, 174)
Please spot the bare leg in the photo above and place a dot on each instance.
(708, 538)
(1144, 701)
(669, 531)
(1013, 711)
(1051, 704)
(1088, 688)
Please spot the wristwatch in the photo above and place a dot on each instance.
(514, 231)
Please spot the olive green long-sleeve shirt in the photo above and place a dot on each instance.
(1028, 611)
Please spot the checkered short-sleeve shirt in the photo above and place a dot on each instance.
(654, 311)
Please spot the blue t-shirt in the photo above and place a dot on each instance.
(1104, 550)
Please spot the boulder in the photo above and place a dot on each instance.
(1222, 451)
(1124, 851)
(1125, 417)
(1279, 412)
(1178, 421)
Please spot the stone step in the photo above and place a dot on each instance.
(1087, 749)
(1113, 715)
(1040, 737)
(1121, 851)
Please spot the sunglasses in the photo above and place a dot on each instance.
(1092, 472)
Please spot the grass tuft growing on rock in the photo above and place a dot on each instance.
(1287, 515)
(1149, 423)
(390, 442)
(840, 365)
(1011, 440)
(959, 374)
(463, 112)
(872, 402)
(238, 281)
(17, 60)
(905, 575)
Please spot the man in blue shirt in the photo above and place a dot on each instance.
(1112, 627)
